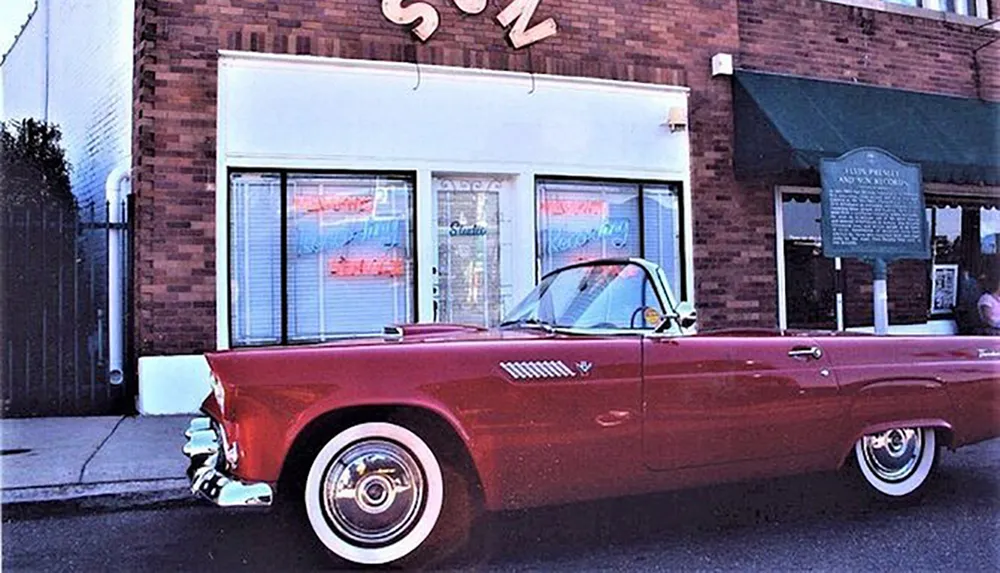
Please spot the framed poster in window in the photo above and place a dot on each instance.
(944, 289)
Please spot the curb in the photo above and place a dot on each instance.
(30, 502)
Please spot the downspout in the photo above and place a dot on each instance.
(116, 297)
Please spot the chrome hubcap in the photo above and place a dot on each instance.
(893, 455)
(373, 493)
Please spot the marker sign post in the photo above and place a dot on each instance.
(873, 209)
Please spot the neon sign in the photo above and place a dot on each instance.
(574, 207)
(312, 239)
(424, 19)
(391, 266)
(561, 240)
(352, 204)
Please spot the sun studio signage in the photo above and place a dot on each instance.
(424, 19)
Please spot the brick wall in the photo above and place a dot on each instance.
(821, 39)
(659, 41)
(175, 96)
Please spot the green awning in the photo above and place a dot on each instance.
(785, 125)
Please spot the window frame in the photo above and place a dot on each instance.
(681, 289)
(933, 9)
(283, 173)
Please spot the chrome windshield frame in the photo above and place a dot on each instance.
(656, 277)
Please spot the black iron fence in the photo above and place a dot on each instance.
(54, 324)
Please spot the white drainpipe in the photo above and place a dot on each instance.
(116, 298)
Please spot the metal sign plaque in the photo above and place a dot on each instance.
(873, 207)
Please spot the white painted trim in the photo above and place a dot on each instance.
(524, 225)
(428, 70)
(290, 162)
(221, 216)
(779, 257)
(170, 385)
(426, 247)
(687, 226)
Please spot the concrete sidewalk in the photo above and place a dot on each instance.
(110, 460)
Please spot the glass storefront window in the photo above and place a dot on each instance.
(810, 278)
(989, 231)
(255, 258)
(581, 220)
(586, 220)
(349, 254)
(662, 231)
(347, 264)
(820, 292)
(468, 228)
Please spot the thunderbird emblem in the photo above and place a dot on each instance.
(584, 366)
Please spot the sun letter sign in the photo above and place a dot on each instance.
(424, 19)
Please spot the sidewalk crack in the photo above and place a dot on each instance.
(83, 470)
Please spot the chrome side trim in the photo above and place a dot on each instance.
(537, 369)
(208, 470)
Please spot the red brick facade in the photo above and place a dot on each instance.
(818, 39)
(669, 42)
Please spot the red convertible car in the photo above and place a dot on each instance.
(595, 385)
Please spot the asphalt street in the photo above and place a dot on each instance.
(816, 522)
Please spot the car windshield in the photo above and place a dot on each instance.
(598, 296)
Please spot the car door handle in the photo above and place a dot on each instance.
(613, 418)
(806, 352)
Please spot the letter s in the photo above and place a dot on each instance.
(394, 11)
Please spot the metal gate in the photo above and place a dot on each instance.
(54, 326)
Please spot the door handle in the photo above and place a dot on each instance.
(806, 352)
(613, 418)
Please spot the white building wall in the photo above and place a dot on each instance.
(89, 88)
(23, 71)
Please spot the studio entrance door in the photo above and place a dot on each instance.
(472, 274)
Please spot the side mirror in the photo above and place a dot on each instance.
(687, 316)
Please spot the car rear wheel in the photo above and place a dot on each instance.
(375, 494)
(898, 462)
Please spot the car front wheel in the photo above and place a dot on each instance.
(897, 462)
(374, 493)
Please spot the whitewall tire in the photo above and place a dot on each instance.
(897, 462)
(374, 493)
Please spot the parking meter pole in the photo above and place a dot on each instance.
(881, 299)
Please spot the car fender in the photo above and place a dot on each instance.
(879, 405)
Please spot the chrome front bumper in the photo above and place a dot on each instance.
(207, 471)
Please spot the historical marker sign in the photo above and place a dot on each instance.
(873, 207)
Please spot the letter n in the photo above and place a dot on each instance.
(519, 12)
(394, 11)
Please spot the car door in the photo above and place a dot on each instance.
(713, 399)
(565, 419)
